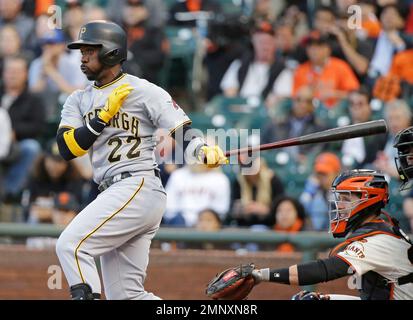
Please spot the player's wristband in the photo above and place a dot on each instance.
(272, 275)
(96, 126)
(280, 275)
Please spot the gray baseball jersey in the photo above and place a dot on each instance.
(127, 144)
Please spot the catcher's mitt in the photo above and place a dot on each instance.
(232, 284)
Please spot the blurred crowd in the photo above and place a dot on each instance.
(295, 67)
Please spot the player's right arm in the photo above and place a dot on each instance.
(309, 273)
(74, 138)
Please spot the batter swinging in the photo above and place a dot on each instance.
(114, 121)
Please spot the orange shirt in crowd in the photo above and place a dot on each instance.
(336, 75)
(372, 27)
(42, 6)
(296, 227)
(402, 65)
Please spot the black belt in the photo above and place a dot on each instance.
(106, 183)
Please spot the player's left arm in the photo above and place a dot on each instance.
(197, 149)
(166, 114)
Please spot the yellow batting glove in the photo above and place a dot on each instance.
(212, 157)
(114, 102)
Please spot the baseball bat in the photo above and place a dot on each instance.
(335, 134)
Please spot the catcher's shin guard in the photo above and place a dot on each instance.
(83, 291)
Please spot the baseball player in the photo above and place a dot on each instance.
(375, 249)
(114, 121)
(403, 142)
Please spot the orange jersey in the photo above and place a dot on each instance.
(402, 65)
(335, 76)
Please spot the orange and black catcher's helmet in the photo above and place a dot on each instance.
(109, 36)
(356, 195)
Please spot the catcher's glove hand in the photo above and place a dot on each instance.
(232, 284)
(212, 156)
(114, 102)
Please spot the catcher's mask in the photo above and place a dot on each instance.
(355, 195)
(404, 160)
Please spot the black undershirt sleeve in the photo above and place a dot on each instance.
(322, 271)
(83, 135)
(314, 272)
(185, 142)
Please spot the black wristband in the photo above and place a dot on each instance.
(97, 125)
(280, 275)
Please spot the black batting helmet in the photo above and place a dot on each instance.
(107, 35)
(404, 160)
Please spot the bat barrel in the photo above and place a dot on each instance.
(335, 134)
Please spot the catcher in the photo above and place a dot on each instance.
(375, 249)
(403, 142)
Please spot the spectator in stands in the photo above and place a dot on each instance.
(73, 18)
(66, 207)
(59, 210)
(344, 41)
(300, 120)
(316, 191)
(208, 220)
(362, 151)
(266, 9)
(258, 73)
(192, 189)
(5, 143)
(11, 13)
(191, 6)
(398, 116)
(331, 78)
(287, 215)
(91, 12)
(52, 175)
(147, 44)
(27, 115)
(157, 11)
(5, 134)
(402, 66)
(370, 25)
(286, 43)
(324, 18)
(253, 194)
(398, 83)
(356, 52)
(295, 16)
(55, 72)
(227, 40)
(390, 41)
(10, 45)
(41, 28)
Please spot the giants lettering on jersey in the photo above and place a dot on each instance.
(121, 120)
(355, 249)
